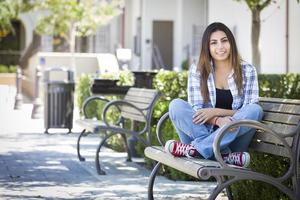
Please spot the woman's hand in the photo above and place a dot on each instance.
(222, 121)
(203, 115)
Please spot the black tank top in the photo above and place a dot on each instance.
(223, 99)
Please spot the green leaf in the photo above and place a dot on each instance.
(84, 17)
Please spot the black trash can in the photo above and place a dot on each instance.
(58, 98)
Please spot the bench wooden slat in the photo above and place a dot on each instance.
(282, 129)
(141, 98)
(140, 105)
(141, 92)
(187, 165)
(281, 118)
(127, 109)
(138, 99)
(91, 125)
(133, 116)
(269, 148)
(281, 108)
(265, 137)
(130, 109)
(279, 100)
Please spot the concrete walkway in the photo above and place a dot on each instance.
(34, 165)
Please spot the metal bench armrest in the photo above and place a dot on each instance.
(244, 123)
(89, 100)
(160, 123)
(118, 103)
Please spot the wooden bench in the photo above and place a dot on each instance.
(137, 106)
(278, 134)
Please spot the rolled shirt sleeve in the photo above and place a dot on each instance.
(251, 90)
(194, 88)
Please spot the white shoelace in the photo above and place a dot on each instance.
(181, 149)
(235, 159)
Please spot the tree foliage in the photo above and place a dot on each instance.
(9, 11)
(70, 18)
(63, 18)
(257, 4)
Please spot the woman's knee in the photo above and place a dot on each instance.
(176, 107)
(176, 104)
(254, 111)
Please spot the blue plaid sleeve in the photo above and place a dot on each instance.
(251, 90)
(194, 94)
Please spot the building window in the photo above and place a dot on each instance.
(198, 31)
(102, 40)
(47, 43)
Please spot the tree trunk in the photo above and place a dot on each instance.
(255, 33)
(72, 47)
(72, 39)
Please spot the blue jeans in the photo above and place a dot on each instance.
(201, 136)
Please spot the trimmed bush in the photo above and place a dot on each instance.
(8, 69)
(4, 69)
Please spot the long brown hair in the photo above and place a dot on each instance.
(204, 65)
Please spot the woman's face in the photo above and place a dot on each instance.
(219, 46)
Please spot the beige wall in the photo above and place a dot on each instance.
(273, 32)
(8, 79)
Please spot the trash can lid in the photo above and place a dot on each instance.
(58, 74)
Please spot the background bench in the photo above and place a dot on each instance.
(137, 106)
(278, 134)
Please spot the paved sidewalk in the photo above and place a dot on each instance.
(34, 165)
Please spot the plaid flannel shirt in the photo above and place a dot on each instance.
(249, 91)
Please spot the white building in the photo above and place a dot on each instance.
(273, 41)
(172, 25)
(176, 26)
(184, 21)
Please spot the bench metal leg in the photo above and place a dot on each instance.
(97, 161)
(221, 180)
(78, 145)
(221, 186)
(296, 177)
(227, 183)
(151, 180)
(296, 186)
(128, 159)
(229, 193)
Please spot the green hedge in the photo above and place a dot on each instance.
(8, 68)
(280, 86)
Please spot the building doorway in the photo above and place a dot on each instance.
(12, 43)
(162, 55)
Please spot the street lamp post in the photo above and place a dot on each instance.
(37, 104)
(19, 97)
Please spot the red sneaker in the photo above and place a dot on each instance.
(179, 149)
(241, 159)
